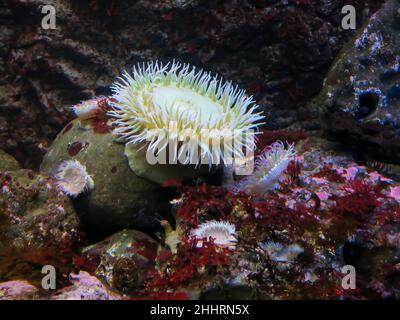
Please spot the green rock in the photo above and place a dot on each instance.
(7, 162)
(120, 199)
(160, 173)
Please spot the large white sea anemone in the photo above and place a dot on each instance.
(178, 101)
(223, 233)
(72, 178)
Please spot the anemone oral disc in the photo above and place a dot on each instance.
(186, 101)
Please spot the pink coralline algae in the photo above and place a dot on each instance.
(395, 193)
(17, 289)
(85, 287)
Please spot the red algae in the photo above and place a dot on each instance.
(85, 263)
(177, 270)
(99, 123)
(330, 174)
(316, 218)
(76, 147)
(100, 126)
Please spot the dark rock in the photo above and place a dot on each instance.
(360, 101)
(124, 259)
(120, 199)
(374, 265)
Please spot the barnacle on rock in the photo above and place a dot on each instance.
(223, 233)
(269, 168)
(72, 178)
(174, 103)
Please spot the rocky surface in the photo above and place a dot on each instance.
(124, 259)
(7, 162)
(278, 50)
(293, 241)
(84, 287)
(360, 100)
(120, 199)
(17, 290)
(38, 225)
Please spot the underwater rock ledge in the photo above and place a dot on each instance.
(360, 100)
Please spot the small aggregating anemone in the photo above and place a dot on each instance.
(160, 105)
(92, 113)
(73, 179)
(283, 255)
(222, 233)
(86, 109)
(269, 168)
